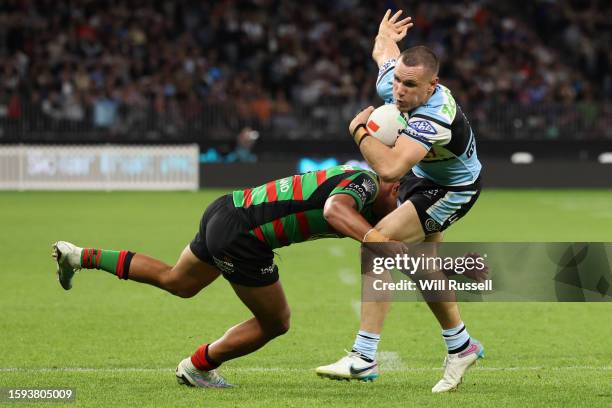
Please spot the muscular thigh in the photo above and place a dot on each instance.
(192, 272)
(404, 225)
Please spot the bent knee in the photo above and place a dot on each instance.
(278, 327)
(284, 326)
(179, 287)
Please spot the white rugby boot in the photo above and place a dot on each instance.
(68, 258)
(455, 366)
(350, 367)
(187, 374)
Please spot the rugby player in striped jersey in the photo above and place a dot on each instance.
(236, 237)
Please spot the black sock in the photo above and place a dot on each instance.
(364, 358)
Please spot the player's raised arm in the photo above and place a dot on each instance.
(390, 163)
(390, 32)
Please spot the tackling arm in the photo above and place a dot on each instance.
(340, 212)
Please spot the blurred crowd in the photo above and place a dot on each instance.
(161, 69)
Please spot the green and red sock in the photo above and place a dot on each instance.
(202, 361)
(115, 262)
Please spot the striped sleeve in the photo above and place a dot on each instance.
(362, 186)
(384, 81)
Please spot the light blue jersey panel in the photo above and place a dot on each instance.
(384, 82)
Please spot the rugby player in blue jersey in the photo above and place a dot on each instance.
(436, 162)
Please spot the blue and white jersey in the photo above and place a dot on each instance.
(442, 128)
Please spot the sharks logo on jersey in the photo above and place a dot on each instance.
(423, 126)
(440, 126)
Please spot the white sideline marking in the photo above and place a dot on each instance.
(281, 369)
(348, 276)
(390, 361)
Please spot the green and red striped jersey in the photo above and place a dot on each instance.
(290, 210)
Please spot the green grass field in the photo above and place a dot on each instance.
(118, 342)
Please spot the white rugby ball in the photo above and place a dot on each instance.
(385, 123)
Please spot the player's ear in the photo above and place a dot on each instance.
(434, 82)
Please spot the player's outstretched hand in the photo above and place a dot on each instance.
(390, 27)
(360, 118)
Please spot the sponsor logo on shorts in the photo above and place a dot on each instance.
(224, 265)
(430, 193)
(267, 269)
(431, 225)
